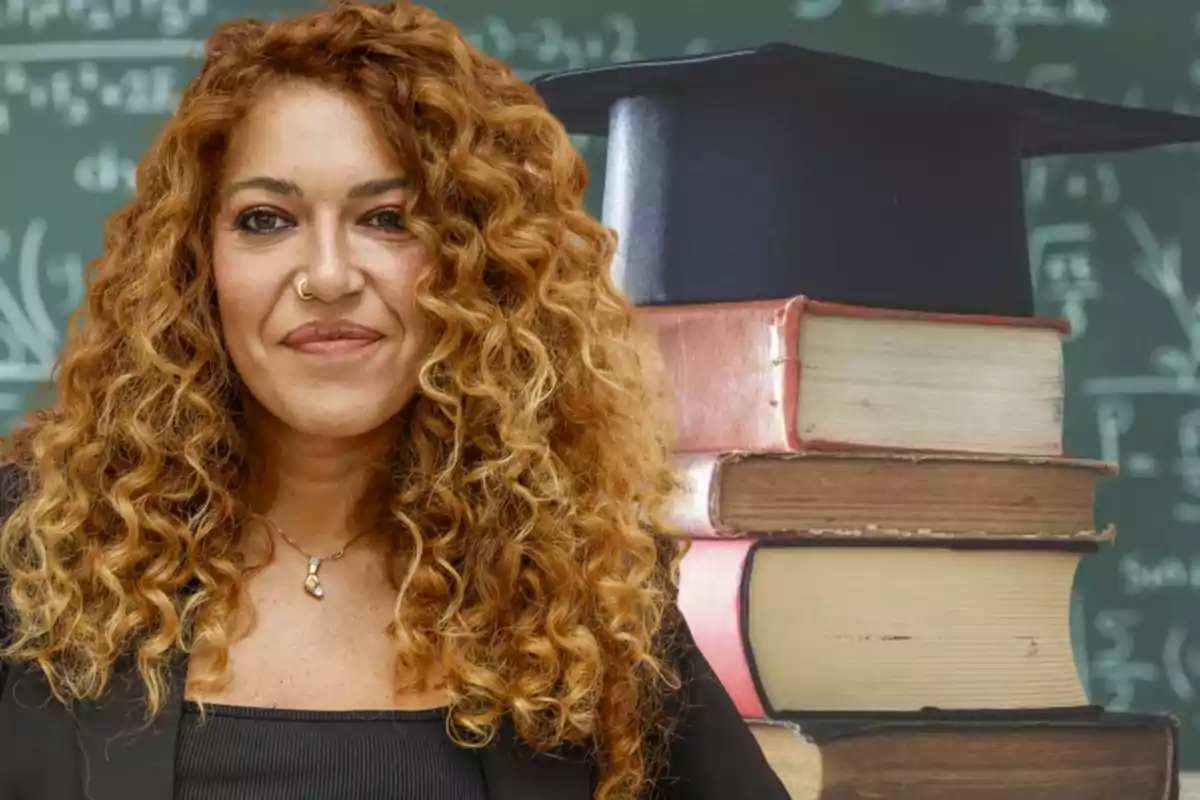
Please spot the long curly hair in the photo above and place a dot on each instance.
(527, 494)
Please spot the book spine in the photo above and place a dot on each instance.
(711, 577)
(732, 372)
(696, 510)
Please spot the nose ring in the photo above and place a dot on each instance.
(302, 291)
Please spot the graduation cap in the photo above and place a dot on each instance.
(779, 171)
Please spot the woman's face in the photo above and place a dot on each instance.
(310, 193)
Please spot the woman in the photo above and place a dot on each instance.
(352, 484)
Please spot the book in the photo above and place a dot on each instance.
(798, 374)
(1075, 755)
(876, 494)
(797, 626)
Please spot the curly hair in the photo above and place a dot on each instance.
(528, 492)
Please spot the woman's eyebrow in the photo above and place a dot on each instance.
(273, 185)
(374, 188)
(292, 189)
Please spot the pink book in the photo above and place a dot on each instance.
(798, 374)
(710, 597)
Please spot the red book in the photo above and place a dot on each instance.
(798, 374)
(798, 627)
(710, 597)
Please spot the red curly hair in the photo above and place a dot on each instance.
(535, 466)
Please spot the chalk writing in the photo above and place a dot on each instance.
(1061, 264)
(1141, 465)
(1188, 465)
(106, 172)
(1115, 417)
(1140, 575)
(1006, 17)
(1113, 665)
(1174, 367)
(1093, 180)
(815, 9)
(1057, 76)
(546, 45)
(1117, 673)
(76, 92)
(913, 7)
(75, 84)
(1194, 69)
(1003, 17)
(29, 333)
(171, 17)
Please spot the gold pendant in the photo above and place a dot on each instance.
(312, 584)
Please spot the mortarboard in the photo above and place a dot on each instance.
(778, 171)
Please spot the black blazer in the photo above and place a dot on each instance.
(99, 751)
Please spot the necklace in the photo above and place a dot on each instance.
(312, 583)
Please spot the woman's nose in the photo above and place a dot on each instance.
(332, 273)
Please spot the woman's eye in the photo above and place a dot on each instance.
(389, 219)
(262, 220)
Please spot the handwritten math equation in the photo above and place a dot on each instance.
(1004, 18)
(169, 17)
(40, 287)
(1132, 654)
(74, 94)
(1116, 667)
(76, 78)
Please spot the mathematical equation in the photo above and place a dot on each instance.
(37, 291)
(1149, 421)
(546, 45)
(169, 17)
(1120, 665)
(74, 94)
(1005, 18)
(73, 79)
(1116, 415)
(106, 172)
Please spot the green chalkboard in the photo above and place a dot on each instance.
(1114, 240)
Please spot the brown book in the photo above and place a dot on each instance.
(797, 374)
(796, 626)
(1090, 755)
(888, 495)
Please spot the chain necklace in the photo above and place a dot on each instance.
(312, 583)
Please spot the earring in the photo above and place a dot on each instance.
(302, 289)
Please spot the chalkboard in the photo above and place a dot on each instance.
(1113, 239)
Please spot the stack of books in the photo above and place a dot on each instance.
(885, 532)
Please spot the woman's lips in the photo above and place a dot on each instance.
(332, 337)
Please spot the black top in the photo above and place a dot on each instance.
(236, 752)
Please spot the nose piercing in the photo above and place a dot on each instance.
(302, 291)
